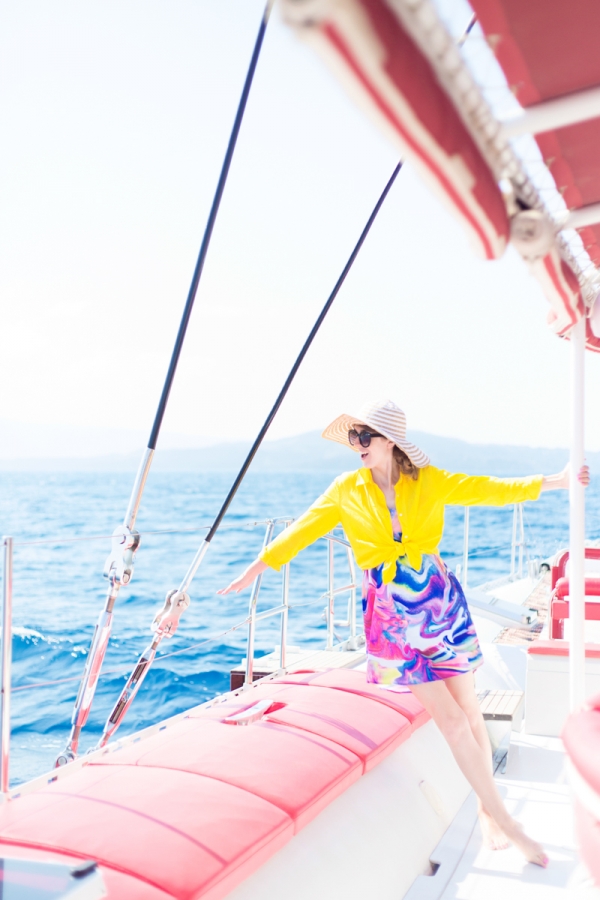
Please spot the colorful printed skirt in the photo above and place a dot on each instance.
(418, 628)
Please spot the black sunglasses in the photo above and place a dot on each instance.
(364, 437)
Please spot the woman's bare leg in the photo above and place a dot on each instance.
(462, 688)
(473, 761)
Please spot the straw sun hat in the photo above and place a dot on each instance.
(384, 417)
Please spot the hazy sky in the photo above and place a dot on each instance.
(115, 118)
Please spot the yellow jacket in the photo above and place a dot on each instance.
(354, 501)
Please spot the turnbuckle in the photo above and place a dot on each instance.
(118, 569)
(165, 624)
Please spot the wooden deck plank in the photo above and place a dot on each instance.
(500, 704)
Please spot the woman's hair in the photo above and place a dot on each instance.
(407, 466)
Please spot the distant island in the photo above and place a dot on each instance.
(310, 453)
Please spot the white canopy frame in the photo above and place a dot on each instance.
(584, 216)
(577, 520)
(570, 110)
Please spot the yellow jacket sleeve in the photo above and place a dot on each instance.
(485, 490)
(322, 516)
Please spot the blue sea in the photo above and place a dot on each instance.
(61, 522)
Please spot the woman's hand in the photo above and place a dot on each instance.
(584, 475)
(246, 578)
(562, 481)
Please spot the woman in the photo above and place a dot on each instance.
(417, 624)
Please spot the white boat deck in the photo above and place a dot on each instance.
(536, 792)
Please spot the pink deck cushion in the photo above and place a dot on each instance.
(369, 730)
(587, 830)
(181, 833)
(119, 886)
(298, 772)
(581, 736)
(191, 810)
(560, 648)
(355, 682)
(592, 587)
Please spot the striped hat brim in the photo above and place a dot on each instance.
(339, 428)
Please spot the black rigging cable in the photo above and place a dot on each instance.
(212, 217)
(267, 424)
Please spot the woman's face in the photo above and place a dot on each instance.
(378, 454)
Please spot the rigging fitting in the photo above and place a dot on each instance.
(164, 626)
(119, 564)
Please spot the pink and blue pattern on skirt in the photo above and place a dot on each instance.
(418, 628)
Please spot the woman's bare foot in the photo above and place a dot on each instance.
(531, 850)
(493, 836)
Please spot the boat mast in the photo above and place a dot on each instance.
(118, 568)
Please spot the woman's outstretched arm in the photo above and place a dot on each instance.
(246, 578)
(322, 516)
(562, 480)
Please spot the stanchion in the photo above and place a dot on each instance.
(6, 665)
(577, 521)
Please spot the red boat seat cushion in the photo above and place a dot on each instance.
(581, 737)
(592, 587)
(587, 829)
(119, 885)
(180, 833)
(560, 648)
(355, 682)
(298, 772)
(370, 730)
(192, 809)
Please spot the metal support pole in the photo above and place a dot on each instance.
(513, 545)
(138, 488)
(521, 539)
(251, 630)
(352, 613)
(195, 565)
(285, 602)
(252, 613)
(6, 664)
(577, 520)
(330, 596)
(465, 565)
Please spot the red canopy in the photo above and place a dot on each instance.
(549, 49)
(402, 66)
(387, 74)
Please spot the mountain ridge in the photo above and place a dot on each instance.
(308, 452)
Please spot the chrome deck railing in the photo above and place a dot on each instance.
(518, 547)
(349, 587)
(5, 668)
(283, 608)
